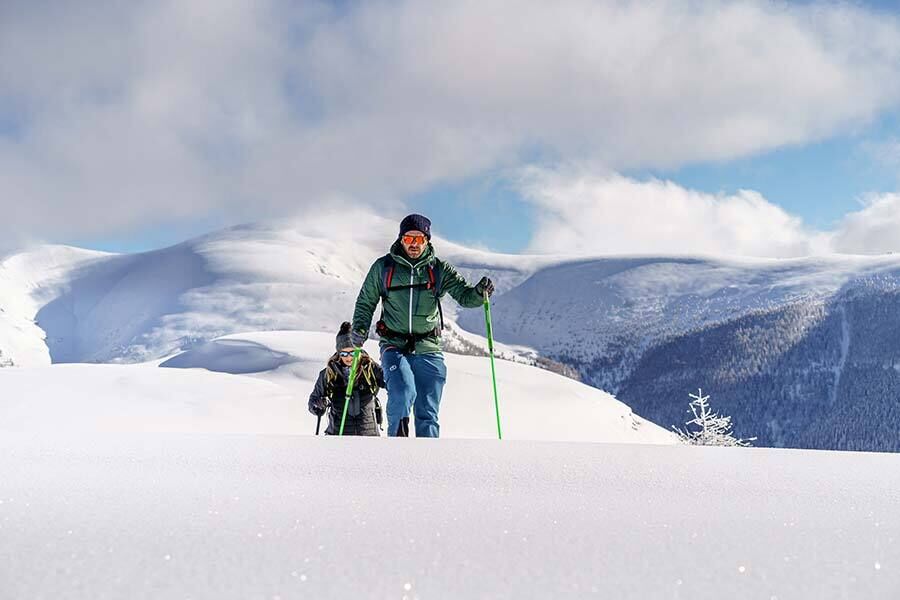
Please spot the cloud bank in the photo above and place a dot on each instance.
(583, 213)
(115, 115)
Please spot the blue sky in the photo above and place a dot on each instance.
(586, 127)
(820, 181)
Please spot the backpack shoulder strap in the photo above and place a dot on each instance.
(387, 274)
(436, 282)
(436, 278)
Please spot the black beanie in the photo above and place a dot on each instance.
(416, 223)
(343, 339)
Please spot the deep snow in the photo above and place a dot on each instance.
(269, 517)
(205, 395)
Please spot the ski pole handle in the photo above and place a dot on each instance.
(318, 423)
(487, 320)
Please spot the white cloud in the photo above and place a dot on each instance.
(587, 214)
(147, 111)
(875, 229)
(583, 213)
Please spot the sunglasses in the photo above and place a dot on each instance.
(344, 354)
(414, 239)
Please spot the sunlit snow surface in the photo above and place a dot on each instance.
(204, 396)
(203, 481)
(266, 516)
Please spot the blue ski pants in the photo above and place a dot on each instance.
(414, 382)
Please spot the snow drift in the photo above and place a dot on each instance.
(259, 383)
(174, 516)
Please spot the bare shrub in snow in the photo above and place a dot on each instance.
(708, 428)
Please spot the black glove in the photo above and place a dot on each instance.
(485, 285)
(358, 338)
(318, 407)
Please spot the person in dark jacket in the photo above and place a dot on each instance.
(364, 410)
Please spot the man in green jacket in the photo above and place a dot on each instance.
(409, 282)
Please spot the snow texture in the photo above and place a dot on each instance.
(260, 383)
(266, 517)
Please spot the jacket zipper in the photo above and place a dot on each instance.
(411, 277)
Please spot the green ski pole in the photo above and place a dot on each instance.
(356, 354)
(490, 337)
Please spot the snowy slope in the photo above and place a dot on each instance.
(273, 276)
(142, 398)
(29, 280)
(269, 517)
(800, 352)
(784, 346)
(300, 274)
(586, 308)
(278, 370)
(535, 404)
(103, 493)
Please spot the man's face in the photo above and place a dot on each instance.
(346, 355)
(413, 243)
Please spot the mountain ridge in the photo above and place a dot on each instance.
(799, 351)
(777, 343)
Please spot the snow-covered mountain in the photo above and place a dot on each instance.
(255, 307)
(130, 308)
(288, 275)
(101, 496)
(801, 353)
(29, 281)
